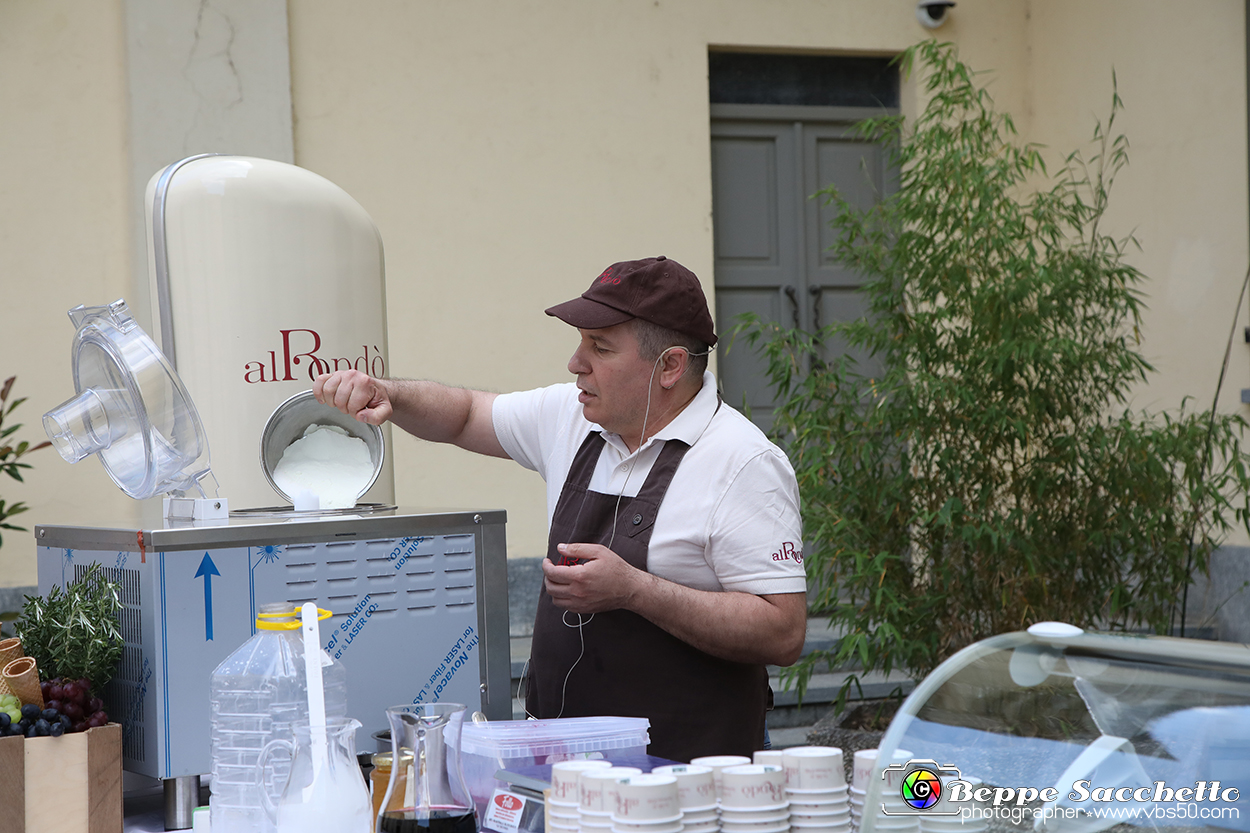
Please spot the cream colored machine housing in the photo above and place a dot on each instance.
(263, 275)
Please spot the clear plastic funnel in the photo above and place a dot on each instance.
(130, 409)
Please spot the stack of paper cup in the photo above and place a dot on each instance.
(563, 804)
(753, 799)
(647, 804)
(598, 796)
(772, 757)
(817, 790)
(719, 763)
(900, 817)
(894, 815)
(938, 819)
(696, 795)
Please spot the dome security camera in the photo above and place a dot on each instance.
(932, 13)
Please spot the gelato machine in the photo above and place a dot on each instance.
(242, 251)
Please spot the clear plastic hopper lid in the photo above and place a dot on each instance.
(130, 409)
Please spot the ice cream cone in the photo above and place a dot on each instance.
(22, 677)
(10, 649)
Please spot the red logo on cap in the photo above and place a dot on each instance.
(604, 277)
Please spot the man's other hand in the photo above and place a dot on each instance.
(356, 394)
(590, 578)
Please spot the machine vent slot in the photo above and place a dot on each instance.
(458, 544)
(386, 601)
(123, 695)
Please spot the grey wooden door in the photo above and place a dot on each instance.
(772, 237)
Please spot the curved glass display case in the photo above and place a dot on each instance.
(1064, 731)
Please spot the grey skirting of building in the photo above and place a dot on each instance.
(13, 598)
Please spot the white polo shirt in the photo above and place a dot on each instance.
(730, 518)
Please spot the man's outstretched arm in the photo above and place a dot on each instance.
(429, 410)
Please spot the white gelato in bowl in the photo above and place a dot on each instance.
(317, 457)
(327, 464)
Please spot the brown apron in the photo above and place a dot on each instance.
(697, 704)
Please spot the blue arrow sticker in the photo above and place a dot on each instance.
(208, 569)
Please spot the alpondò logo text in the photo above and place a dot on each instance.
(302, 357)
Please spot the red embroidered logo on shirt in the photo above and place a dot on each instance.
(789, 552)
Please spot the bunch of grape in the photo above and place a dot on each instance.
(68, 707)
(11, 707)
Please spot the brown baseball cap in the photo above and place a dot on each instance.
(654, 289)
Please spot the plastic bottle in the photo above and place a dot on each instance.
(257, 693)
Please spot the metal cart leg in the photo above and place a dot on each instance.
(182, 796)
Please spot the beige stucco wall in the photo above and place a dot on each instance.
(509, 151)
(64, 237)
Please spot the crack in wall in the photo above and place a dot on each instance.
(210, 69)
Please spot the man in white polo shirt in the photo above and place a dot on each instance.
(674, 566)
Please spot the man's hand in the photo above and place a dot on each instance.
(590, 578)
(732, 625)
(356, 394)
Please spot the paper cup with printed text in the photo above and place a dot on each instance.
(596, 788)
(718, 763)
(564, 785)
(647, 799)
(814, 768)
(696, 785)
(753, 787)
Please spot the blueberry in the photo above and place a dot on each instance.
(42, 727)
(65, 722)
(24, 724)
(57, 729)
(32, 733)
(5, 720)
(31, 711)
(49, 714)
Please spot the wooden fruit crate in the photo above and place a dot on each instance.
(70, 784)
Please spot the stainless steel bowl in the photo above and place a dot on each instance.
(288, 422)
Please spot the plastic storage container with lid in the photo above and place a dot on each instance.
(257, 693)
(512, 744)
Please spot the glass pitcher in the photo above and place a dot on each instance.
(325, 790)
(429, 794)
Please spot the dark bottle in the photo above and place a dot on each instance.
(453, 820)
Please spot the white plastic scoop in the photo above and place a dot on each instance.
(316, 693)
